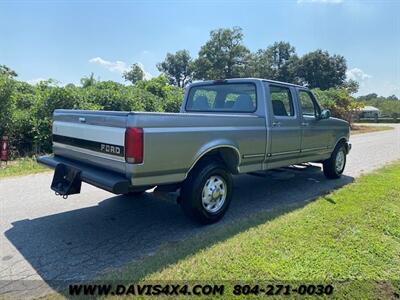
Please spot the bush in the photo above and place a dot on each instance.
(339, 102)
(27, 110)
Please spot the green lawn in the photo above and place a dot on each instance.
(23, 166)
(350, 238)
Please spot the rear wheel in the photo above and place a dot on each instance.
(207, 192)
(334, 166)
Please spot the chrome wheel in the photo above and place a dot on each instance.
(213, 195)
(340, 161)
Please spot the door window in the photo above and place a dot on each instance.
(308, 106)
(282, 102)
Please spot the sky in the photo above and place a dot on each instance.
(66, 40)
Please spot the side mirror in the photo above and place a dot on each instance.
(325, 114)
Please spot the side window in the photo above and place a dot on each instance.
(308, 106)
(282, 102)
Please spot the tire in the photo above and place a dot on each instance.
(207, 192)
(334, 166)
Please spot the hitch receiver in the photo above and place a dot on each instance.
(66, 181)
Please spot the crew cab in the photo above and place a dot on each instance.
(224, 128)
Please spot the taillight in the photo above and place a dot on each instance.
(134, 145)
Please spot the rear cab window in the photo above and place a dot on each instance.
(222, 97)
(282, 101)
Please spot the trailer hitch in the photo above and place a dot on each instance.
(58, 194)
(66, 181)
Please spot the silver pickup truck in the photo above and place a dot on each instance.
(225, 127)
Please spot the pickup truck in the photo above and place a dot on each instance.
(224, 128)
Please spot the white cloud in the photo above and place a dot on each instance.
(117, 66)
(147, 75)
(321, 1)
(357, 75)
(113, 66)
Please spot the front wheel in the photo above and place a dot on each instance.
(207, 192)
(334, 166)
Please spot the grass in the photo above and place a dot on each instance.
(23, 166)
(358, 129)
(350, 238)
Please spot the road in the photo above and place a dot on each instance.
(47, 241)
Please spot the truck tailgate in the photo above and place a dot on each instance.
(91, 137)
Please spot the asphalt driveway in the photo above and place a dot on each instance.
(46, 240)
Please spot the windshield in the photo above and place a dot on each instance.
(222, 97)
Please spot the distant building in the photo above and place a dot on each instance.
(370, 112)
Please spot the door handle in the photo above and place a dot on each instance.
(276, 124)
(305, 124)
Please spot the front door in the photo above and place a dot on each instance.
(285, 131)
(315, 137)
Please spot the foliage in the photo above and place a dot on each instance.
(339, 102)
(171, 97)
(6, 103)
(223, 55)
(178, 68)
(134, 74)
(8, 72)
(320, 70)
(88, 81)
(27, 110)
(351, 86)
(277, 62)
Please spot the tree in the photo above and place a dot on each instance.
(4, 70)
(339, 101)
(6, 103)
(134, 74)
(88, 81)
(392, 97)
(223, 56)
(368, 97)
(320, 70)
(277, 62)
(178, 68)
(351, 86)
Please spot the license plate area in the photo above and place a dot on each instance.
(66, 180)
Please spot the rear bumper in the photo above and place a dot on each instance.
(106, 180)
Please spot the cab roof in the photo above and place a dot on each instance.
(232, 80)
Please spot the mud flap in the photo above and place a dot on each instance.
(66, 181)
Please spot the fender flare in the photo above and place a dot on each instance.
(206, 149)
(340, 140)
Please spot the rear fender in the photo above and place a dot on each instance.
(228, 150)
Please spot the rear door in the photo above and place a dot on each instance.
(284, 127)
